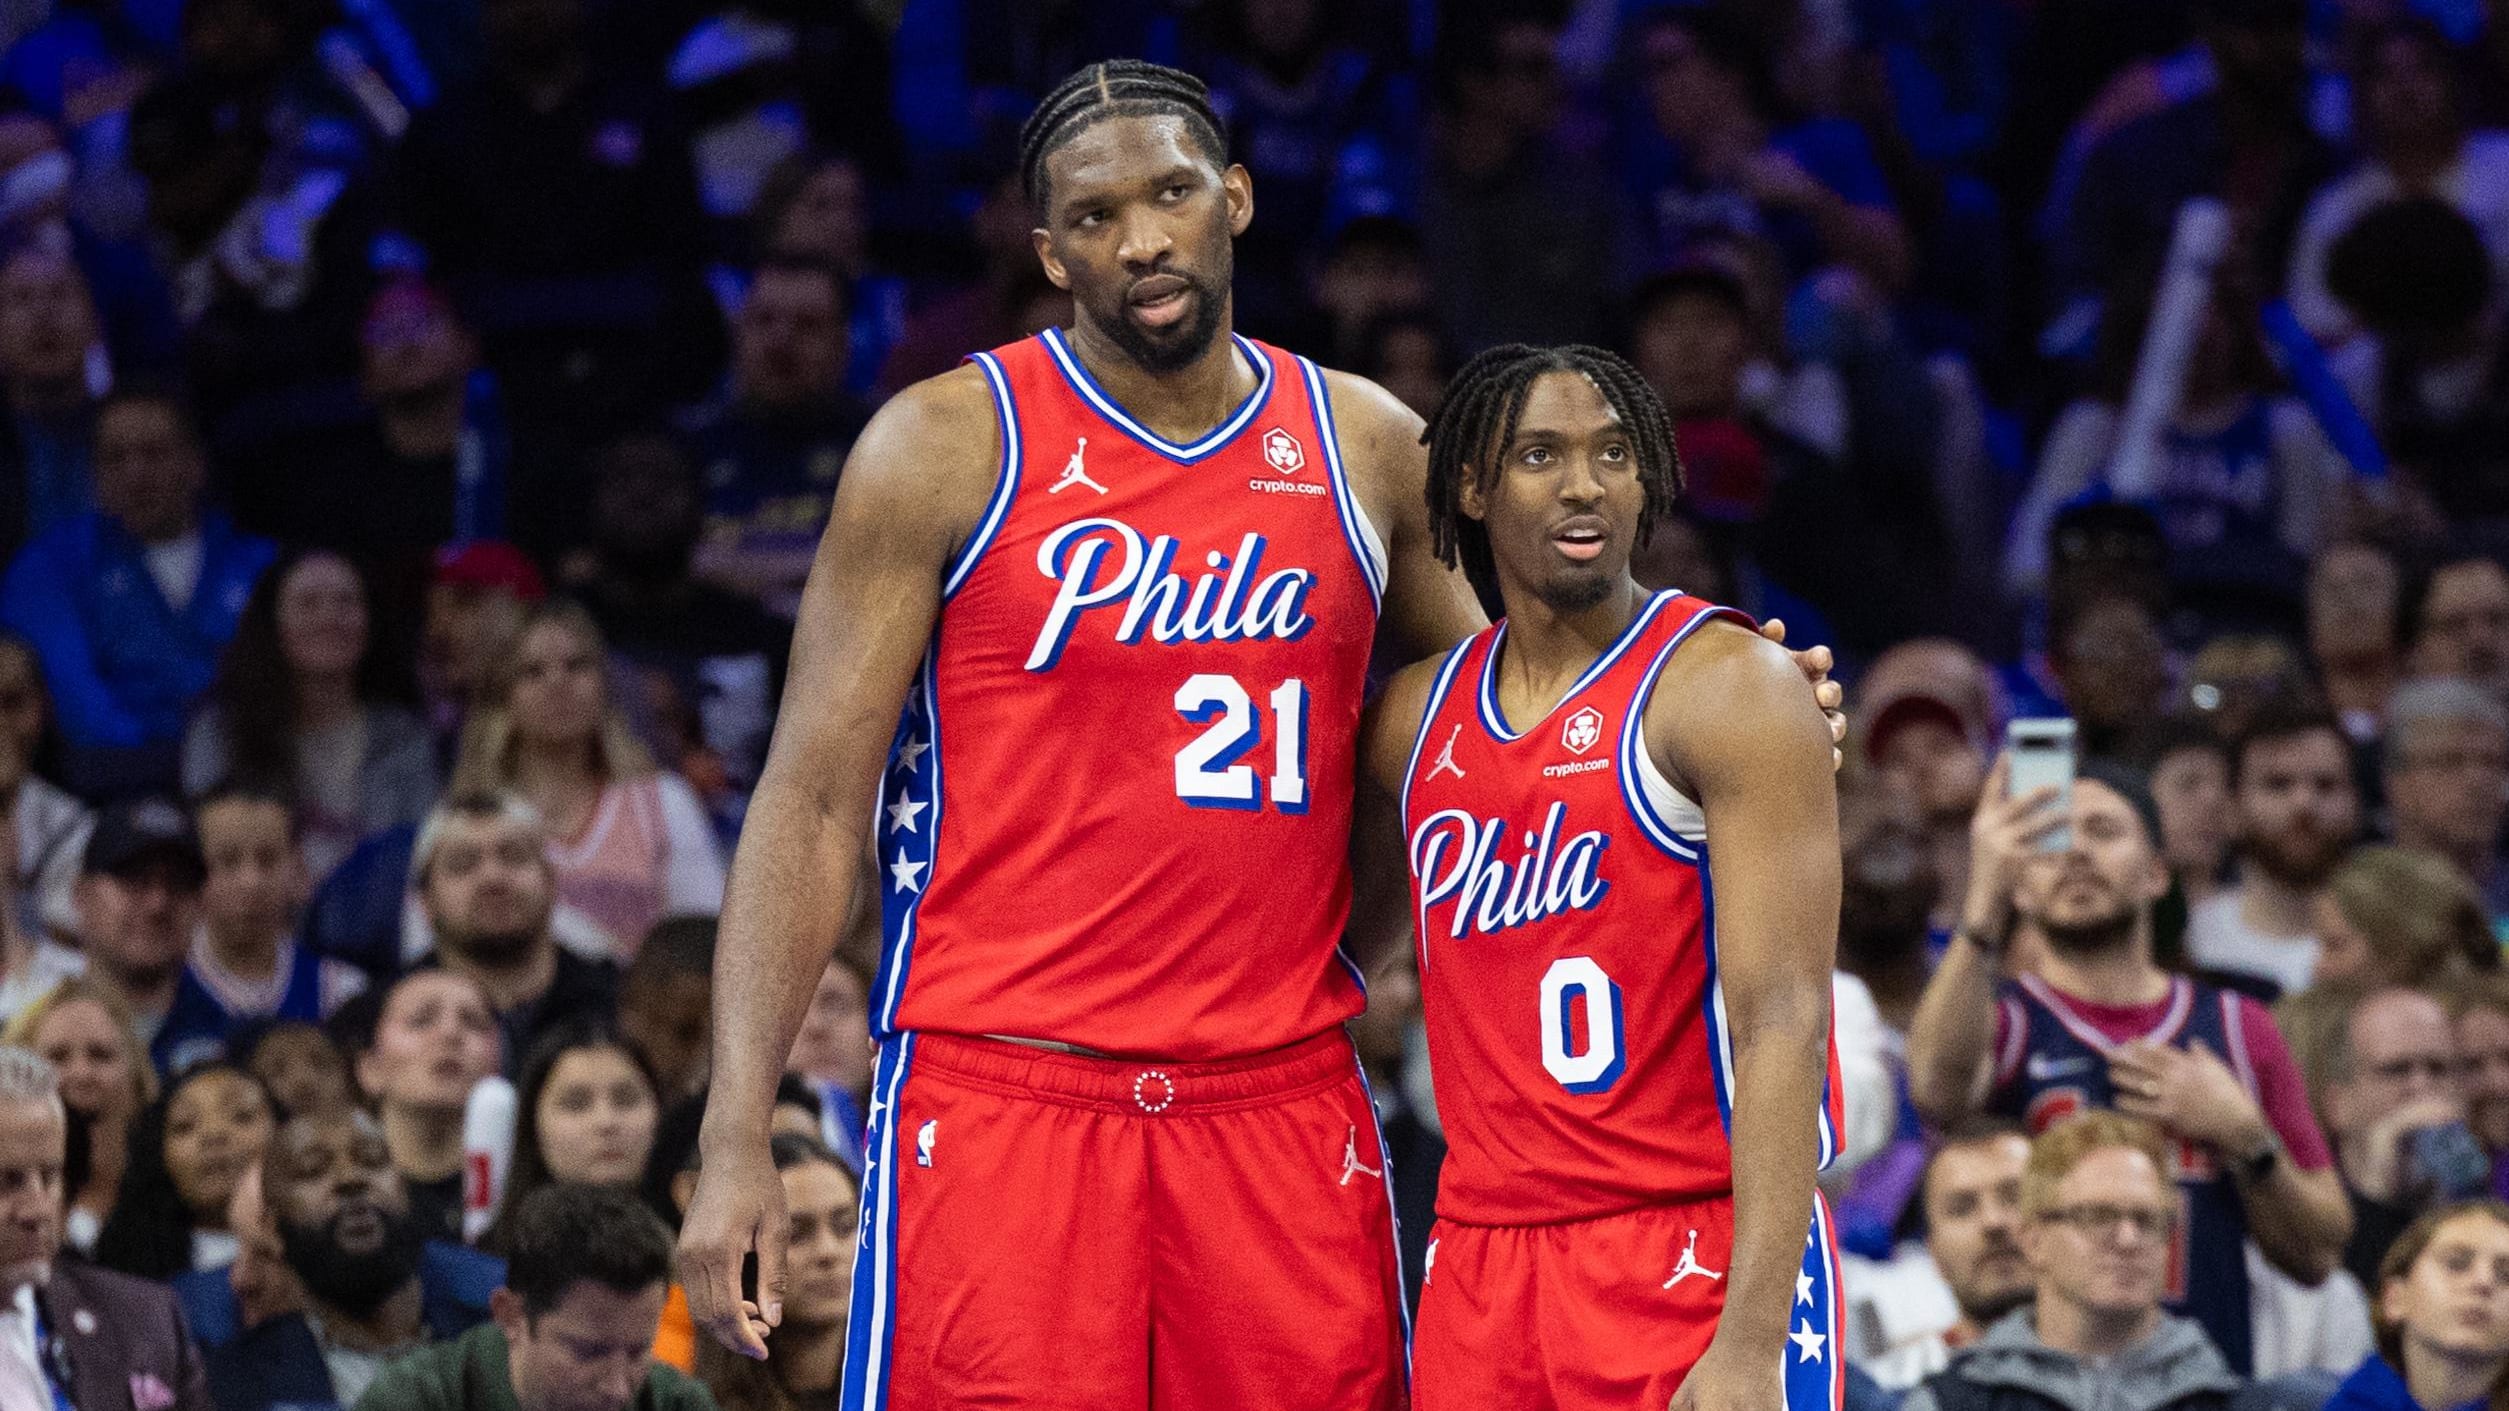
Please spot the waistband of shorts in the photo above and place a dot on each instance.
(1148, 1086)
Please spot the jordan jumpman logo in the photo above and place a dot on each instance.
(1074, 473)
(1446, 758)
(1690, 1264)
(1351, 1164)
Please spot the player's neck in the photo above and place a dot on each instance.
(1183, 405)
(1547, 648)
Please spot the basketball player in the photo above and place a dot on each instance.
(1089, 627)
(1611, 1047)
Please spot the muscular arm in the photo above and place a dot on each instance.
(1732, 724)
(916, 479)
(1428, 606)
(1380, 903)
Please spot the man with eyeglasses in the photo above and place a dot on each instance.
(2446, 766)
(2083, 1018)
(2098, 1210)
(2395, 1107)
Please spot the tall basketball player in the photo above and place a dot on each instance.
(1086, 642)
(1624, 850)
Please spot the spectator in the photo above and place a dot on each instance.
(2396, 1112)
(305, 1071)
(631, 843)
(435, 1038)
(713, 658)
(483, 874)
(423, 462)
(128, 606)
(1973, 1217)
(1812, 187)
(2447, 779)
(149, 1356)
(84, 1031)
(992, 310)
(1524, 236)
(2355, 624)
(584, 1288)
(2242, 479)
(2394, 916)
(476, 600)
(587, 1107)
(2098, 1218)
(1691, 335)
(773, 448)
(2235, 677)
(245, 964)
(1372, 269)
(2299, 814)
(830, 1056)
(31, 963)
(818, 206)
(51, 368)
(51, 824)
(2479, 1008)
(666, 1004)
(2189, 767)
(2411, 120)
(2092, 1022)
(2246, 141)
(2443, 1315)
(187, 1152)
(138, 902)
(2461, 623)
(1927, 708)
(2110, 664)
(315, 706)
(376, 1288)
(821, 1203)
(1891, 888)
(219, 1304)
(561, 207)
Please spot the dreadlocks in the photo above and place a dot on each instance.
(1115, 88)
(1473, 426)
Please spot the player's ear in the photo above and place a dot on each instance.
(1237, 188)
(1054, 271)
(1468, 497)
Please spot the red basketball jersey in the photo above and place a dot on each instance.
(1117, 811)
(1567, 935)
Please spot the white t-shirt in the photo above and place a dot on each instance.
(175, 564)
(2218, 939)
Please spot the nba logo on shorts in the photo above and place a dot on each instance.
(1582, 730)
(1282, 452)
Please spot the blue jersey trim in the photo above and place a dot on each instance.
(1005, 481)
(1495, 720)
(871, 1326)
(1213, 440)
(1393, 1211)
(1347, 503)
(905, 780)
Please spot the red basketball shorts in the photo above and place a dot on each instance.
(1607, 1313)
(1043, 1230)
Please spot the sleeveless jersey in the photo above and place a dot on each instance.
(1117, 810)
(1567, 943)
(2055, 1064)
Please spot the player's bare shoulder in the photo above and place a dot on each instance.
(1381, 447)
(928, 461)
(1729, 689)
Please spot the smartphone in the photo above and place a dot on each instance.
(2041, 752)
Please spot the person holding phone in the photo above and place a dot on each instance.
(2049, 1003)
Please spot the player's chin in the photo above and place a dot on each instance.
(1571, 586)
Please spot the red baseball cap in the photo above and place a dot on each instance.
(489, 563)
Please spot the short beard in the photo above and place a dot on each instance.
(494, 948)
(1177, 351)
(355, 1284)
(2100, 935)
(1992, 1310)
(2300, 871)
(1574, 595)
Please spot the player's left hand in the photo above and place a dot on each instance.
(1723, 1381)
(1815, 664)
(2189, 1092)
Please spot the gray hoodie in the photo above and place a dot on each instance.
(2175, 1363)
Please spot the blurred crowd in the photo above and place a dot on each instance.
(417, 418)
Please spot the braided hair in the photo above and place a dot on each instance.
(1476, 421)
(1115, 88)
